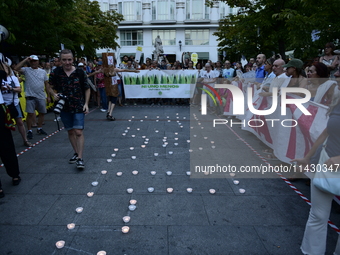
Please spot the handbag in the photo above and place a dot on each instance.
(327, 180)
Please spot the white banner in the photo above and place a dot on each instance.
(277, 131)
(160, 84)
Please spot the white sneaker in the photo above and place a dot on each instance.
(103, 110)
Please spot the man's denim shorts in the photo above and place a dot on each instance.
(72, 120)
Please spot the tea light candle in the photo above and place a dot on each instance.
(60, 244)
(133, 135)
(167, 117)
(132, 207)
(200, 148)
(71, 226)
(189, 190)
(141, 120)
(212, 142)
(79, 209)
(184, 118)
(190, 150)
(213, 146)
(129, 120)
(171, 152)
(135, 172)
(212, 191)
(153, 172)
(126, 131)
(109, 160)
(181, 126)
(164, 140)
(188, 141)
(175, 144)
(90, 194)
(146, 116)
(151, 189)
(125, 229)
(128, 128)
(188, 173)
(176, 113)
(146, 142)
(205, 138)
(132, 148)
(115, 149)
(94, 184)
(104, 172)
(132, 117)
(113, 155)
(169, 173)
(169, 190)
(177, 117)
(242, 191)
(101, 253)
(123, 134)
(165, 137)
(147, 139)
(133, 157)
(143, 136)
(176, 133)
(202, 127)
(126, 219)
(157, 117)
(169, 120)
(176, 138)
(143, 146)
(236, 182)
(156, 131)
(164, 145)
(138, 129)
(133, 201)
(156, 154)
(129, 190)
(119, 173)
(157, 120)
(195, 135)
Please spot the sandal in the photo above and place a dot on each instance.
(271, 157)
(111, 118)
(267, 151)
(16, 181)
(28, 144)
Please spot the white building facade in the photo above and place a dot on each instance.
(183, 26)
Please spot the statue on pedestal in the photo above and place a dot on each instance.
(158, 48)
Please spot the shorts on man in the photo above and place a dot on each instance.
(33, 103)
(73, 120)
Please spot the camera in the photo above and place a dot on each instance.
(60, 104)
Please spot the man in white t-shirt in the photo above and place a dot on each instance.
(36, 81)
(280, 81)
(209, 77)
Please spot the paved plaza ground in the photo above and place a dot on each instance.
(268, 218)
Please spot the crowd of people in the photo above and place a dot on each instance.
(62, 76)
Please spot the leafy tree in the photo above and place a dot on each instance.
(276, 26)
(39, 26)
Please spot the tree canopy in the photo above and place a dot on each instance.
(40, 26)
(277, 26)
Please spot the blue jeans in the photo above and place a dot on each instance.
(103, 98)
